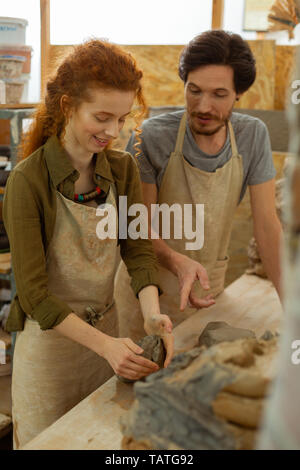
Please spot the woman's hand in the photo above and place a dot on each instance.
(123, 356)
(188, 271)
(161, 325)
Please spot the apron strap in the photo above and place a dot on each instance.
(181, 134)
(114, 190)
(232, 140)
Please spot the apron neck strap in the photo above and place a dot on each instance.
(232, 140)
(181, 134)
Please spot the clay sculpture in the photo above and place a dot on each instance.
(207, 398)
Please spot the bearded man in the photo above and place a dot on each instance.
(208, 155)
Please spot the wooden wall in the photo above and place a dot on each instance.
(163, 87)
(284, 73)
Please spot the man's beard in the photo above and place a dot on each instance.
(201, 129)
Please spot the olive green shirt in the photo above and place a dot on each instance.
(29, 213)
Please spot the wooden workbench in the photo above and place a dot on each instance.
(249, 302)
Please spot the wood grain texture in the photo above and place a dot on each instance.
(45, 41)
(217, 14)
(261, 94)
(285, 69)
(162, 85)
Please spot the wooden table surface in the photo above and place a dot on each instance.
(249, 302)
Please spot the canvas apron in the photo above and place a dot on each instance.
(184, 184)
(52, 373)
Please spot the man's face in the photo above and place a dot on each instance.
(210, 97)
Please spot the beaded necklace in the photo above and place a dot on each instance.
(87, 196)
(84, 197)
(90, 195)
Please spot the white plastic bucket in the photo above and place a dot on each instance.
(13, 30)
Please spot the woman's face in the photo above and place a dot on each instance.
(97, 122)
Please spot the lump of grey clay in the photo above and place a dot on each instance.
(218, 331)
(154, 350)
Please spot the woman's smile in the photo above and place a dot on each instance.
(100, 142)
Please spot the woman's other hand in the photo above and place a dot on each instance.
(161, 325)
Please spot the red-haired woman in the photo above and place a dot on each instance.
(64, 313)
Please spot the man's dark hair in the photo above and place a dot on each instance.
(219, 47)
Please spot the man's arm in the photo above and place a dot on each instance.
(186, 269)
(267, 229)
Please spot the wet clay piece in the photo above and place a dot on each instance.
(154, 350)
(207, 398)
(218, 331)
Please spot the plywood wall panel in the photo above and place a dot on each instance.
(163, 86)
(275, 65)
(285, 66)
(261, 94)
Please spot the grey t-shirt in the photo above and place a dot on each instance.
(159, 138)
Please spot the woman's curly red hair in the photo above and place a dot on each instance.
(91, 64)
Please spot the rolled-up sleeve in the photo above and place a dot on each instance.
(138, 254)
(23, 222)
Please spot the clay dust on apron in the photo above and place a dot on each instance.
(52, 373)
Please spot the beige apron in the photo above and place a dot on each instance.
(51, 373)
(182, 183)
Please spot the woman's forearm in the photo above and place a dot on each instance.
(154, 322)
(149, 301)
(78, 330)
